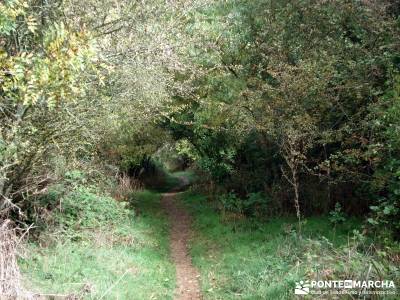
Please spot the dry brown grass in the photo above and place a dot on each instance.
(126, 186)
(10, 276)
(10, 284)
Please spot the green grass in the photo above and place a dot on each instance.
(117, 254)
(254, 260)
(136, 253)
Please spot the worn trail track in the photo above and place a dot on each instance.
(186, 274)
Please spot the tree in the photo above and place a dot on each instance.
(44, 71)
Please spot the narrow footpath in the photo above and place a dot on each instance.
(187, 277)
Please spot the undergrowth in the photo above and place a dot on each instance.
(97, 247)
(250, 259)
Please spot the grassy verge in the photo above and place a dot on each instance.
(127, 259)
(247, 260)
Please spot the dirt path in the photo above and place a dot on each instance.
(186, 275)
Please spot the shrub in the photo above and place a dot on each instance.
(230, 202)
(337, 216)
(83, 208)
(254, 205)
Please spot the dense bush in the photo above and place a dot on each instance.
(299, 100)
(254, 205)
(76, 203)
(45, 70)
(83, 208)
(67, 92)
